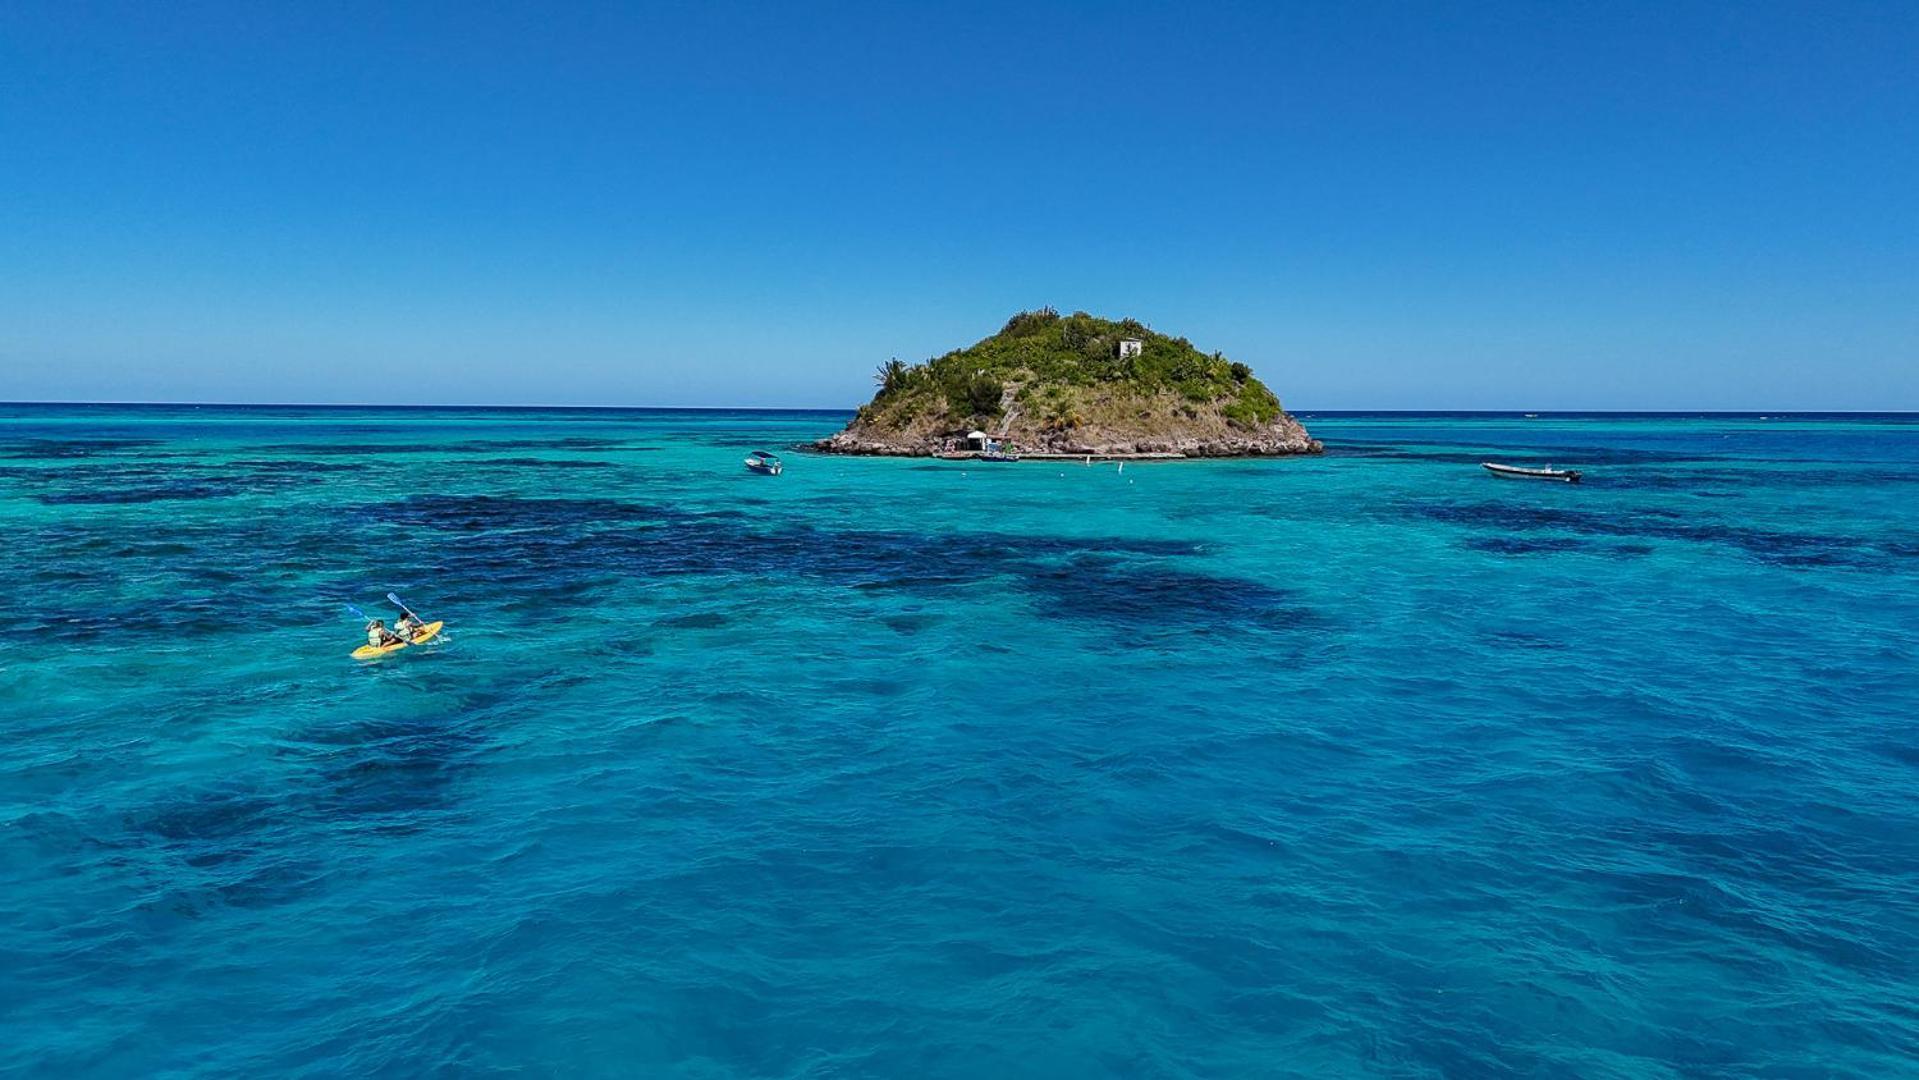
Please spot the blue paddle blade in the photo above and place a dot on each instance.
(395, 599)
(357, 611)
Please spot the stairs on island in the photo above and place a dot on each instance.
(1008, 408)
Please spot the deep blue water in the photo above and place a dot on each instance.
(1367, 765)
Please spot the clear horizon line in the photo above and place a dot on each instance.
(848, 409)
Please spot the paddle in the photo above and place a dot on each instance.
(397, 603)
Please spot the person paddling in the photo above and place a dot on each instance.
(408, 625)
(378, 636)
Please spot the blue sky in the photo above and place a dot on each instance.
(1389, 205)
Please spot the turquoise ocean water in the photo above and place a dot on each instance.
(1365, 765)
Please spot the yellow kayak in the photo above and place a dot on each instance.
(372, 652)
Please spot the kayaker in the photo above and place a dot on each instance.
(408, 625)
(378, 636)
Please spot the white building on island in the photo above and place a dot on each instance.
(1130, 347)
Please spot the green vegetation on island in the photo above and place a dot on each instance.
(1074, 384)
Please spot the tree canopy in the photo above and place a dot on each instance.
(1050, 356)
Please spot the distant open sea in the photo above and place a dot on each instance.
(1363, 765)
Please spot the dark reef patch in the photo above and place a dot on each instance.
(58, 474)
(1152, 595)
(349, 449)
(207, 823)
(468, 446)
(176, 614)
(130, 471)
(480, 512)
(294, 466)
(569, 444)
(1537, 545)
(223, 845)
(726, 441)
(168, 492)
(552, 550)
(391, 770)
(544, 463)
(552, 553)
(215, 848)
(1527, 545)
(1521, 639)
(1863, 475)
(62, 449)
(132, 482)
(166, 579)
(1765, 545)
(700, 620)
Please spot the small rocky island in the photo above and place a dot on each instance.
(1052, 384)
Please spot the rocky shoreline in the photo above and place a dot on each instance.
(1284, 438)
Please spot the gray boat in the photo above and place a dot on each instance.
(1517, 472)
